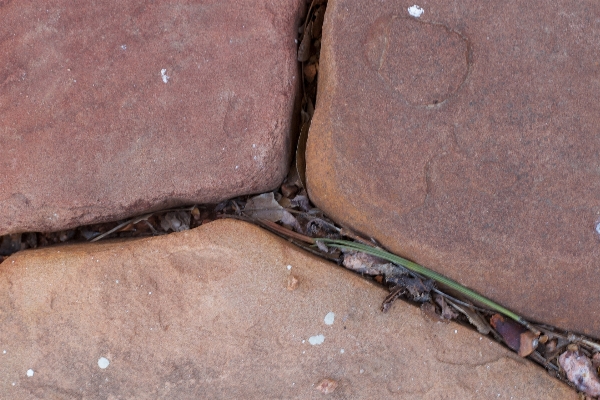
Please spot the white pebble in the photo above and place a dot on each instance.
(415, 11)
(103, 362)
(318, 339)
(329, 318)
(30, 373)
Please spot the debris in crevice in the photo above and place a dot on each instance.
(580, 372)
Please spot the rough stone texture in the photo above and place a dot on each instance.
(468, 140)
(206, 314)
(112, 108)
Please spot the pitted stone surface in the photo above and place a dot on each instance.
(113, 108)
(484, 164)
(207, 314)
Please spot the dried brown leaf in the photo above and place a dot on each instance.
(304, 48)
(528, 343)
(289, 220)
(580, 372)
(447, 311)
(474, 318)
(264, 206)
(366, 264)
(310, 71)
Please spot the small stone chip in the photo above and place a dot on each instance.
(292, 282)
(327, 386)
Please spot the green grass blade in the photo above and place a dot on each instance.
(348, 245)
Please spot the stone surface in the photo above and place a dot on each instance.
(112, 108)
(207, 314)
(467, 140)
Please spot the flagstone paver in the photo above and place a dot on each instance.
(211, 313)
(467, 140)
(112, 108)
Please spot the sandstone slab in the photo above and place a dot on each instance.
(467, 140)
(113, 108)
(207, 314)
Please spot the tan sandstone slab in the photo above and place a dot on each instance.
(207, 314)
(467, 139)
(113, 108)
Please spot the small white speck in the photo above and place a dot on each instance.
(164, 76)
(30, 373)
(303, 341)
(455, 331)
(13, 383)
(341, 351)
(289, 267)
(237, 166)
(103, 363)
(124, 47)
(4, 352)
(598, 227)
(315, 340)
(415, 11)
(362, 371)
(149, 292)
(253, 146)
(329, 318)
(255, 158)
(117, 281)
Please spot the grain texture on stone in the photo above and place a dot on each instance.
(208, 313)
(113, 108)
(467, 140)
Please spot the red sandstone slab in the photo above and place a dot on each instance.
(207, 314)
(112, 108)
(468, 140)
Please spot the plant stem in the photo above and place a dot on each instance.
(348, 245)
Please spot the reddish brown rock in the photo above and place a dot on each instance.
(467, 140)
(206, 314)
(112, 108)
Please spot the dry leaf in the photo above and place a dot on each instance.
(418, 289)
(177, 221)
(474, 318)
(290, 221)
(310, 71)
(509, 330)
(529, 342)
(289, 190)
(367, 264)
(264, 206)
(318, 23)
(447, 311)
(304, 48)
(301, 202)
(580, 371)
(516, 336)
